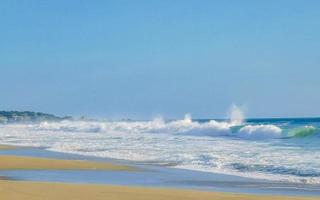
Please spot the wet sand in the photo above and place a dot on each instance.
(14, 190)
(8, 162)
(30, 190)
(7, 147)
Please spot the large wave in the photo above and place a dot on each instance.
(268, 150)
(240, 148)
(186, 126)
(302, 132)
(234, 127)
(260, 131)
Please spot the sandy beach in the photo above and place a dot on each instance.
(13, 190)
(32, 190)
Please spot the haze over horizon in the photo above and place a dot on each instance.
(143, 59)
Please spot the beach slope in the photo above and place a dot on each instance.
(17, 190)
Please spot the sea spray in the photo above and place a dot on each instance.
(236, 115)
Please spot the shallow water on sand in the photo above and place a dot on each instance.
(152, 176)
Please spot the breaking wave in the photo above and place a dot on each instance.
(305, 131)
(260, 131)
(185, 126)
(268, 149)
(234, 127)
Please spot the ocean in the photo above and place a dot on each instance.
(283, 150)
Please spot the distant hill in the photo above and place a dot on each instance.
(27, 116)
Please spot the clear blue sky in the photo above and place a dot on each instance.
(147, 58)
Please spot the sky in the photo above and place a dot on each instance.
(144, 59)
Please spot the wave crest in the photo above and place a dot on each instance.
(185, 126)
(260, 131)
(303, 131)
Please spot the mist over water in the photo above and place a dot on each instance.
(286, 150)
(237, 116)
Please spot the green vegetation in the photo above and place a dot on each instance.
(27, 116)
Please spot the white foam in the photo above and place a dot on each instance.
(189, 144)
(260, 132)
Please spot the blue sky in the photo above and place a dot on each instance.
(143, 59)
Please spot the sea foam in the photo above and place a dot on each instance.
(231, 146)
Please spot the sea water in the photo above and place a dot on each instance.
(283, 150)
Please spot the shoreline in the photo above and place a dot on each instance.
(22, 171)
(53, 191)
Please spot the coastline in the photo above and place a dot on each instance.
(13, 186)
(53, 191)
